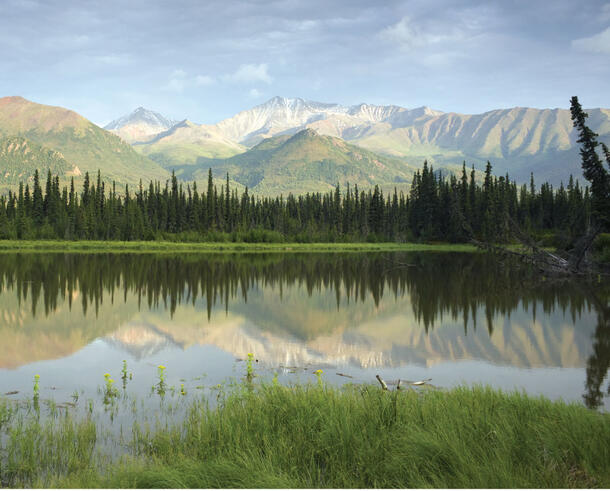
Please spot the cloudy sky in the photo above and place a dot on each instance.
(207, 59)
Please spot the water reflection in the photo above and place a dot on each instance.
(599, 361)
(368, 311)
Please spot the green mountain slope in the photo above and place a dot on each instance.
(187, 143)
(306, 162)
(81, 143)
(20, 157)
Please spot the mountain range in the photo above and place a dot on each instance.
(290, 145)
(518, 140)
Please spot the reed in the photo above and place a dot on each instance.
(319, 436)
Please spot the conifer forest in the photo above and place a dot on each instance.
(437, 208)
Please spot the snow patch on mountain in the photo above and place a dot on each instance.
(140, 125)
(290, 115)
(141, 115)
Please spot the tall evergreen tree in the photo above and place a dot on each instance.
(592, 166)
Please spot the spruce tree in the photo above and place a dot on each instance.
(37, 201)
(592, 166)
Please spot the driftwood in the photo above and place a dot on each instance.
(547, 262)
(544, 261)
(421, 382)
(384, 386)
(399, 382)
(344, 375)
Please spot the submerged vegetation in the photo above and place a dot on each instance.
(313, 435)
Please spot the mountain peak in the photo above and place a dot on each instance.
(296, 103)
(185, 123)
(427, 111)
(141, 115)
(12, 99)
(307, 132)
(283, 101)
(140, 125)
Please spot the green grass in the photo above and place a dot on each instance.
(316, 436)
(91, 246)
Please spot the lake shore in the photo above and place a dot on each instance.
(170, 247)
(317, 436)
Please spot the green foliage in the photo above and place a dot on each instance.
(170, 155)
(592, 166)
(20, 158)
(55, 138)
(602, 248)
(110, 391)
(176, 245)
(306, 162)
(161, 385)
(437, 208)
(316, 436)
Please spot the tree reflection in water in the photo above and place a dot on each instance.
(438, 285)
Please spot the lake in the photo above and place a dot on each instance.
(453, 318)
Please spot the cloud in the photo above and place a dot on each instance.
(403, 33)
(250, 73)
(411, 35)
(255, 93)
(204, 80)
(179, 80)
(599, 43)
(304, 25)
(113, 59)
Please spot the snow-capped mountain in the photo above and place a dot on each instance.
(516, 140)
(140, 125)
(290, 115)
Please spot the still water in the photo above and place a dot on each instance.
(454, 318)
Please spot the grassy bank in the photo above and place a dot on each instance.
(153, 246)
(316, 436)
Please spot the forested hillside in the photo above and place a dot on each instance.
(80, 143)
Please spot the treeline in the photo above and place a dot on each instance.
(438, 207)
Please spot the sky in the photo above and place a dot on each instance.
(206, 60)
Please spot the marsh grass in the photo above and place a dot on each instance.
(316, 436)
(92, 246)
(35, 452)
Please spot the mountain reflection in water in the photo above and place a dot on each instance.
(365, 310)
